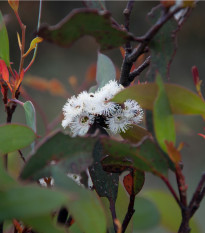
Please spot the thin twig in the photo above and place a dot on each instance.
(171, 190)
(36, 48)
(198, 196)
(150, 34)
(21, 155)
(130, 212)
(55, 122)
(113, 212)
(23, 36)
(127, 12)
(132, 57)
(182, 187)
(139, 69)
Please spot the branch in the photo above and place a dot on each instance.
(150, 34)
(139, 70)
(171, 190)
(132, 57)
(21, 155)
(198, 196)
(130, 212)
(127, 12)
(113, 212)
(182, 187)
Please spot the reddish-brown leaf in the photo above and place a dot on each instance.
(128, 183)
(56, 88)
(91, 73)
(173, 152)
(4, 71)
(14, 4)
(36, 83)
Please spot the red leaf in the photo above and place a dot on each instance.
(128, 183)
(4, 71)
(195, 74)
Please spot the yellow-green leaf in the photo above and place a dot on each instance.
(163, 118)
(14, 137)
(33, 45)
(4, 41)
(181, 99)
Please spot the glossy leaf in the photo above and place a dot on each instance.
(4, 41)
(144, 156)
(86, 209)
(181, 100)
(135, 134)
(105, 184)
(105, 70)
(169, 210)
(4, 71)
(31, 200)
(43, 224)
(82, 22)
(146, 215)
(14, 137)
(163, 119)
(58, 147)
(33, 45)
(30, 115)
(133, 182)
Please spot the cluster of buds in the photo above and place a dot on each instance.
(82, 111)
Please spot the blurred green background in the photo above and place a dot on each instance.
(62, 63)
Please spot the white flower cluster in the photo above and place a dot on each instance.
(81, 112)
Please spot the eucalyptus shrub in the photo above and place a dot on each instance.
(86, 175)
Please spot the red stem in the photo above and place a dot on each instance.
(166, 181)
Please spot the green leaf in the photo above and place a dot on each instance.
(4, 41)
(96, 4)
(6, 181)
(146, 215)
(59, 147)
(82, 22)
(163, 119)
(86, 209)
(14, 137)
(29, 201)
(43, 224)
(162, 46)
(106, 184)
(135, 134)
(144, 156)
(30, 115)
(105, 70)
(169, 210)
(181, 100)
(74, 229)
